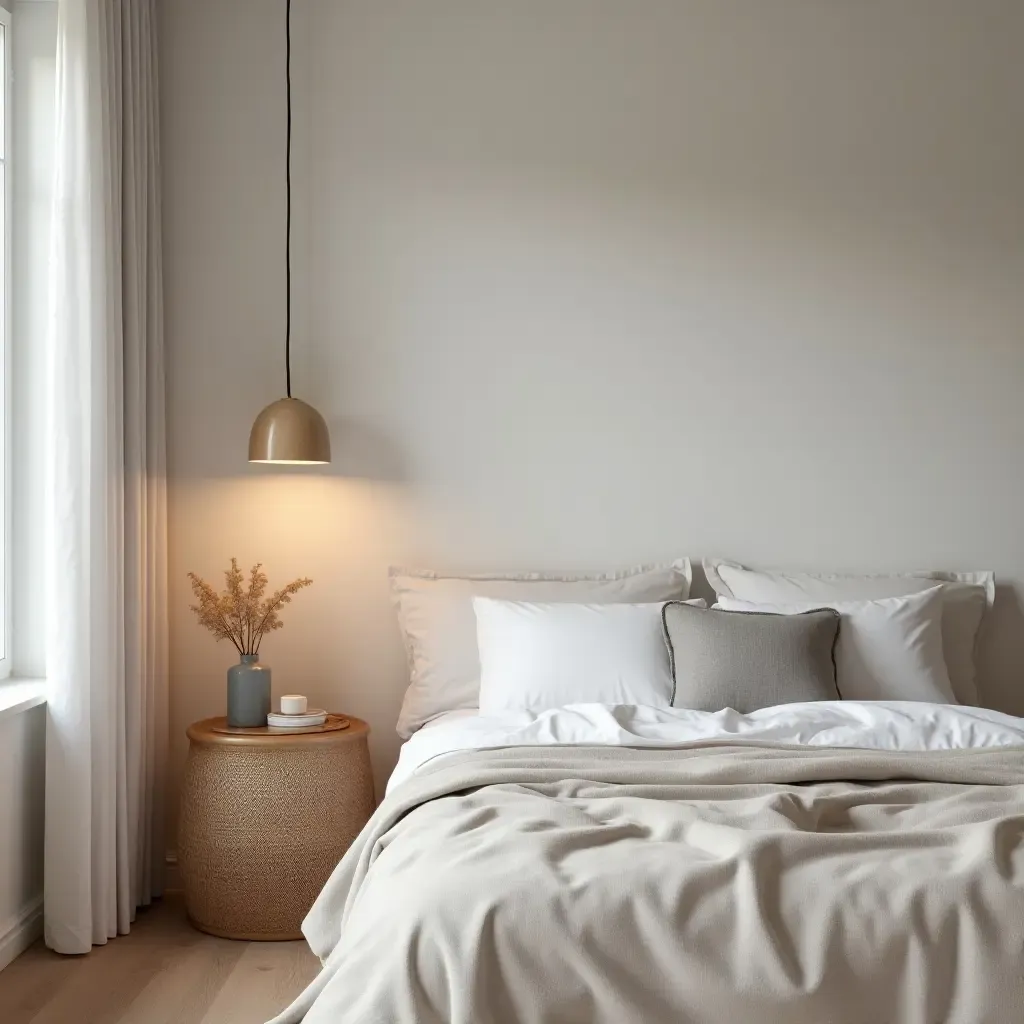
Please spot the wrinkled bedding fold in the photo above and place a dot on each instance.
(714, 883)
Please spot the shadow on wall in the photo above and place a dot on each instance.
(361, 451)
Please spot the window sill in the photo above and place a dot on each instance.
(18, 695)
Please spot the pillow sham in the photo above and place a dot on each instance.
(889, 649)
(435, 617)
(747, 660)
(538, 655)
(966, 598)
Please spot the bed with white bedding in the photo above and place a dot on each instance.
(833, 862)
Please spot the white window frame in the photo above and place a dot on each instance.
(6, 334)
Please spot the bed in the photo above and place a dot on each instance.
(834, 862)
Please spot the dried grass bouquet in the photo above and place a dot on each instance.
(238, 615)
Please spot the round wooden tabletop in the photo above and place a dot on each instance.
(337, 729)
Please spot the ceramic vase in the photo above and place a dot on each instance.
(248, 693)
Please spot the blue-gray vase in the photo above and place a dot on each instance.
(248, 693)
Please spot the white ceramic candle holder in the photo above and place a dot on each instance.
(293, 704)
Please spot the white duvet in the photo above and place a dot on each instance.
(871, 725)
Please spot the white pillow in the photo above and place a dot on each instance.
(889, 649)
(537, 655)
(435, 615)
(966, 596)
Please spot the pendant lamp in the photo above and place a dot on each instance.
(289, 431)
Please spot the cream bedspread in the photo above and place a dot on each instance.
(716, 883)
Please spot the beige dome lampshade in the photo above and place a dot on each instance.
(289, 431)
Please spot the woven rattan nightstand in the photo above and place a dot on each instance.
(265, 817)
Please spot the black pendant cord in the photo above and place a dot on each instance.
(288, 215)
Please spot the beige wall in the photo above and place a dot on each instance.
(22, 770)
(585, 283)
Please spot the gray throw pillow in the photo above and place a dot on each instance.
(750, 660)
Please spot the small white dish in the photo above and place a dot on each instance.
(314, 716)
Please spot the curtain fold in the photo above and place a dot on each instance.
(106, 514)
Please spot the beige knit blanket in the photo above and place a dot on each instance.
(716, 883)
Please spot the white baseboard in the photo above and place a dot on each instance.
(17, 933)
(172, 875)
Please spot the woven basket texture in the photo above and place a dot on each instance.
(263, 826)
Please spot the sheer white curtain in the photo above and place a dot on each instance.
(106, 519)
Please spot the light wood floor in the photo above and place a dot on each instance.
(164, 972)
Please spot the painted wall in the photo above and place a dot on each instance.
(587, 283)
(22, 769)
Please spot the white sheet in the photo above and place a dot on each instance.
(874, 725)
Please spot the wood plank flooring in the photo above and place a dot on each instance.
(164, 972)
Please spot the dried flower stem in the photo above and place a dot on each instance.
(242, 616)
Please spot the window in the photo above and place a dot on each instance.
(5, 334)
